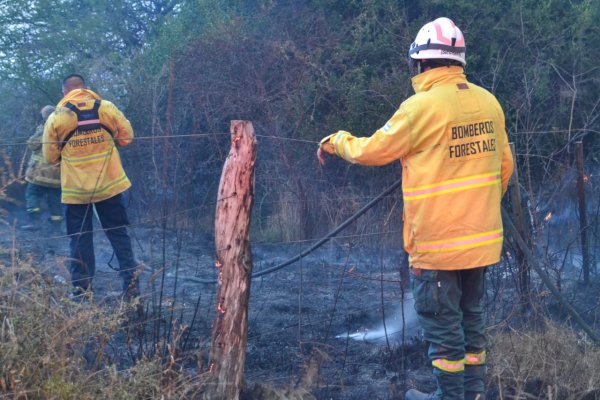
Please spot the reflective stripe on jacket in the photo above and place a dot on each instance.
(451, 140)
(91, 169)
(39, 172)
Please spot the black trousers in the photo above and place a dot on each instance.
(450, 310)
(113, 217)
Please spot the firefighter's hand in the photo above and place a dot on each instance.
(321, 156)
(325, 147)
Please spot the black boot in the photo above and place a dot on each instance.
(56, 220)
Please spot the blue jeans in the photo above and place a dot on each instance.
(113, 217)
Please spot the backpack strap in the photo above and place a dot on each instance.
(87, 120)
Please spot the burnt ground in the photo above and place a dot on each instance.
(315, 325)
(303, 319)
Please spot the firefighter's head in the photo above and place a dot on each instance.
(438, 43)
(72, 82)
(46, 111)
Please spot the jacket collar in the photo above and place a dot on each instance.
(78, 95)
(428, 79)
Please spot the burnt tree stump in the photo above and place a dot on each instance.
(234, 262)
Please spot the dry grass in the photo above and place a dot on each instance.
(266, 392)
(53, 348)
(284, 222)
(8, 177)
(552, 364)
(287, 220)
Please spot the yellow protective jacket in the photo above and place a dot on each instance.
(91, 169)
(39, 172)
(456, 162)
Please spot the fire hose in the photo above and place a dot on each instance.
(321, 241)
(508, 224)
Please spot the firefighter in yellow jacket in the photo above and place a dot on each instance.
(451, 140)
(43, 180)
(83, 134)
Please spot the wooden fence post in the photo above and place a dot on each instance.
(517, 209)
(234, 262)
(583, 224)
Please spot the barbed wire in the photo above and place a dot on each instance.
(331, 314)
(206, 205)
(288, 138)
(264, 136)
(166, 216)
(321, 241)
(179, 136)
(302, 241)
(136, 138)
(579, 132)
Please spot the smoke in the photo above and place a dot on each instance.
(398, 328)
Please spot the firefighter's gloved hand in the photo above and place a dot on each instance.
(325, 147)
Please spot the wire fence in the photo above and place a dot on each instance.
(345, 301)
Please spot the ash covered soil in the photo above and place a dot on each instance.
(316, 326)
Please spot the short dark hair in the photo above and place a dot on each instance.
(73, 76)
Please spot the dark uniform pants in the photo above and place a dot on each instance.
(449, 307)
(113, 217)
(35, 193)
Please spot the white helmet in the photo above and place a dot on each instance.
(439, 39)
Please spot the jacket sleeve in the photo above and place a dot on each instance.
(387, 144)
(507, 167)
(122, 130)
(50, 140)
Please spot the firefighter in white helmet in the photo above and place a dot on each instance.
(451, 140)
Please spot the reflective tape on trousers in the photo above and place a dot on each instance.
(475, 358)
(449, 365)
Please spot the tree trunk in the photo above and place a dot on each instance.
(234, 262)
(583, 224)
(517, 209)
